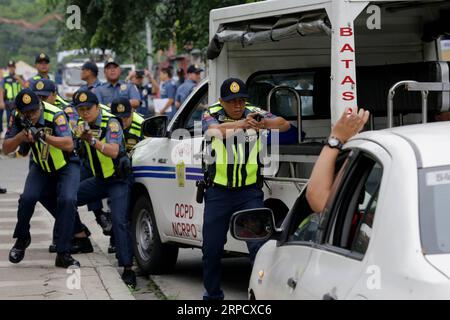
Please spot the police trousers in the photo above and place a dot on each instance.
(220, 204)
(93, 189)
(59, 190)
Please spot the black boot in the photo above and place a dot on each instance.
(104, 221)
(81, 245)
(52, 247)
(18, 250)
(65, 260)
(129, 277)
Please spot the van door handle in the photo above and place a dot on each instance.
(328, 296)
(292, 283)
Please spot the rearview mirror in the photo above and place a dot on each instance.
(155, 126)
(253, 224)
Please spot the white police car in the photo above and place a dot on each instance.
(384, 233)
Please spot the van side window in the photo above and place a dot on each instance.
(355, 207)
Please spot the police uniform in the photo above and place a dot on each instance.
(53, 174)
(11, 88)
(168, 91)
(39, 58)
(110, 176)
(185, 89)
(107, 92)
(91, 66)
(234, 183)
(145, 92)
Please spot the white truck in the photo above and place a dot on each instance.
(306, 61)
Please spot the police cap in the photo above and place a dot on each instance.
(27, 100)
(44, 87)
(11, 63)
(233, 88)
(42, 57)
(84, 98)
(121, 107)
(194, 69)
(89, 65)
(111, 61)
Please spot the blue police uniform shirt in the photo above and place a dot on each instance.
(92, 87)
(185, 90)
(61, 125)
(106, 93)
(114, 132)
(168, 91)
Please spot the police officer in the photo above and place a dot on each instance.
(55, 170)
(137, 78)
(111, 167)
(115, 88)
(132, 131)
(9, 88)
(187, 86)
(231, 187)
(42, 64)
(89, 73)
(167, 91)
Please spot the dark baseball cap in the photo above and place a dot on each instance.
(42, 57)
(194, 69)
(27, 100)
(84, 98)
(233, 88)
(111, 61)
(140, 73)
(11, 63)
(89, 65)
(44, 87)
(121, 107)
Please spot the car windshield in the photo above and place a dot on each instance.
(435, 209)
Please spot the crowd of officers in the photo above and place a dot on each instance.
(79, 156)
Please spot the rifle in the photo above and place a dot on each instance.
(37, 134)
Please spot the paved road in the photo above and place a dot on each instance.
(184, 283)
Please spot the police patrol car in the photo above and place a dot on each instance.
(307, 62)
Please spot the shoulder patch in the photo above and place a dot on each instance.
(61, 120)
(69, 110)
(114, 126)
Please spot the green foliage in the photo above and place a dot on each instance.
(23, 44)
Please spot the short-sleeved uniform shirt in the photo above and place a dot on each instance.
(92, 87)
(185, 90)
(168, 91)
(106, 93)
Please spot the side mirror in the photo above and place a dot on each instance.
(253, 224)
(155, 126)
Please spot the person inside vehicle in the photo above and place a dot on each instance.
(319, 187)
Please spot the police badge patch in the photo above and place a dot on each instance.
(114, 126)
(123, 87)
(26, 99)
(40, 85)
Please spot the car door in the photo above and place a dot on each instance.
(337, 262)
(180, 168)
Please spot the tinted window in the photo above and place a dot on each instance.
(355, 206)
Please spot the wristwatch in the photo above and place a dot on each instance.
(334, 143)
(92, 142)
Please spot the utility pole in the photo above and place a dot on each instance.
(148, 31)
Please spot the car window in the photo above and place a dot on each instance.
(193, 122)
(303, 222)
(190, 117)
(355, 205)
